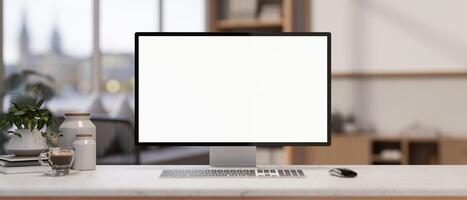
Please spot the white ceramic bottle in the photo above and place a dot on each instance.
(75, 123)
(85, 152)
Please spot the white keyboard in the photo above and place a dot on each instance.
(233, 173)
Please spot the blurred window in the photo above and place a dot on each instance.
(52, 37)
(55, 37)
(184, 16)
(119, 20)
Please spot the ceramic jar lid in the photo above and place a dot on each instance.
(77, 114)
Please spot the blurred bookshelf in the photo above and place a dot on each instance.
(259, 15)
(374, 149)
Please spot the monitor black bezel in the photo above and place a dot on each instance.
(264, 144)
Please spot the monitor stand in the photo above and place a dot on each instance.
(232, 156)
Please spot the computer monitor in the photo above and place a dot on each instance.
(231, 90)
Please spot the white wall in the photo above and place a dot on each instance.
(393, 105)
(394, 34)
(398, 35)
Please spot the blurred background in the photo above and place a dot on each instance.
(398, 83)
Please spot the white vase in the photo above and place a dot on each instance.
(74, 124)
(31, 143)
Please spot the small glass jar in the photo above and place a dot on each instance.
(85, 152)
(75, 123)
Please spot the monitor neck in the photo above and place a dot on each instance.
(232, 156)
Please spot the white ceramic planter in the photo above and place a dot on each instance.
(74, 124)
(31, 143)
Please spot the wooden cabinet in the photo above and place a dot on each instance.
(361, 149)
(453, 151)
(345, 149)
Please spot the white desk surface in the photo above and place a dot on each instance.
(144, 181)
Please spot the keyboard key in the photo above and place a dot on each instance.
(294, 173)
(300, 172)
(281, 173)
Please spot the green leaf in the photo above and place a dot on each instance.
(20, 113)
(40, 102)
(30, 108)
(40, 124)
(26, 113)
(13, 109)
(18, 124)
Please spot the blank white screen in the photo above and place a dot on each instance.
(251, 89)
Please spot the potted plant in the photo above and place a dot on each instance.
(25, 83)
(28, 122)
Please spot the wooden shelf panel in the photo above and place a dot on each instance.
(428, 74)
(251, 23)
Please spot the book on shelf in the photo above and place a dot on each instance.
(270, 12)
(241, 9)
(20, 164)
